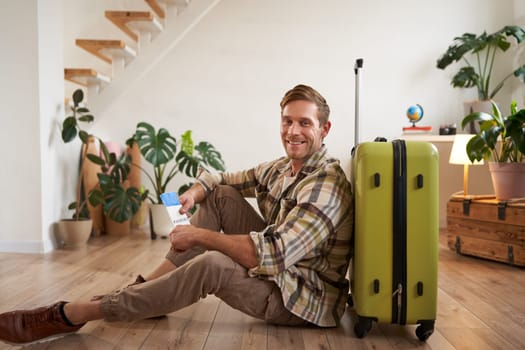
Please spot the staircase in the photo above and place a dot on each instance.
(150, 35)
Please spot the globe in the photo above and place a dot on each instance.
(415, 113)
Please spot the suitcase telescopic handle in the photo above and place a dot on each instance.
(357, 67)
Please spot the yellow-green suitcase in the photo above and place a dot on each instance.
(394, 271)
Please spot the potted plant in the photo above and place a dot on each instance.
(169, 158)
(75, 232)
(501, 141)
(479, 53)
(119, 200)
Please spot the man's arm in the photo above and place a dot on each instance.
(195, 194)
(238, 247)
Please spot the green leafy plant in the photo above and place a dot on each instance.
(169, 158)
(71, 129)
(500, 139)
(480, 62)
(119, 201)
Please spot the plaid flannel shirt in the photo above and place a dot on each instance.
(305, 249)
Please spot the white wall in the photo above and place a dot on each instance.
(29, 93)
(58, 178)
(518, 92)
(20, 133)
(225, 79)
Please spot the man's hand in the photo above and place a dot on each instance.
(191, 197)
(184, 237)
(239, 247)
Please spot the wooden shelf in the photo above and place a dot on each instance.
(107, 50)
(158, 9)
(155, 6)
(128, 21)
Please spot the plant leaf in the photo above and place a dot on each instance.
(86, 118)
(465, 78)
(456, 51)
(157, 148)
(122, 204)
(515, 31)
(187, 143)
(69, 129)
(120, 168)
(210, 155)
(475, 117)
(95, 197)
(520, 73)
(84, 136)
(95, 159)
(477, 149)
(187, 164)
(78, 96)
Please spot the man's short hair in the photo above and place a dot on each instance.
(307, 93)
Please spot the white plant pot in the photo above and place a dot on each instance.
(74, 233)
(160, 220)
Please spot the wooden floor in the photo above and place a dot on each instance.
(481, 305)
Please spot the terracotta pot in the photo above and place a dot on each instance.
(508, 180)
(117, 228)
(135, 174)
(90, 171)
(74, 233)
(139, 219)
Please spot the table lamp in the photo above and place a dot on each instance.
(458, 155)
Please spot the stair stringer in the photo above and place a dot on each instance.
(175, 30)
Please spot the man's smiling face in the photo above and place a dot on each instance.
(301, 133)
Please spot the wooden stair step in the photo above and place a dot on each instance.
(85, 76)
(106, 50)
(137, 20)
(159, 11)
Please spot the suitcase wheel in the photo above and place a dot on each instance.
(425, 330)
(362, 327)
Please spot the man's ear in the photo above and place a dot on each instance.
(325, 128)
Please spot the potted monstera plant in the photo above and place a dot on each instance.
(479, 55)
(167, 158)
(118, 199)
(76, 231)
(501, 142)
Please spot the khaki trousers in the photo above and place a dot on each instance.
(200, 272)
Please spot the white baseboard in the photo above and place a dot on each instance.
(32, 247)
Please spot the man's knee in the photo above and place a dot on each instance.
(222, 191)
(210, 264)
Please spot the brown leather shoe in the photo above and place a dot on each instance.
(25, 326)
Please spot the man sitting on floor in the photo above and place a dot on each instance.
(287, 267)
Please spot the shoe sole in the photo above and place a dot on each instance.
(38, 341)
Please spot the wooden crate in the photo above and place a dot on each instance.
(487, 228)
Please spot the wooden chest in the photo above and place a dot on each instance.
(487, 228)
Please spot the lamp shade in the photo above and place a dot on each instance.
(458, 154)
